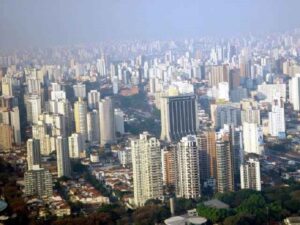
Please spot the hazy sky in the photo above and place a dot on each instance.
(53, 22)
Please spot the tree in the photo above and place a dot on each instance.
(213, 214)
(150, 214)
(253, 205)
(240, 219)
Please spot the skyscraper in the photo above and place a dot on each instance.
(15, 123)
(147, 169)
(79, 90)
(225, 114)
(250, 115)
(93, 127)
(80, 111)
(76, 145)
(6, 137)
(277, 119)
(39, 131)
(33, 108)
(107, 122)
(294, 91)
(93, 99)
(178, 117)
(250, 173)
(218, 73)
(169, 165)
(225, 178)
(38, 182)
(188, 168)
(63, 158)
(252, 138)
(33, 153)
(101, 66)
(203, 156)
(119, 121)
(9, 115)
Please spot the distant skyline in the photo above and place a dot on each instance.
(62, 22)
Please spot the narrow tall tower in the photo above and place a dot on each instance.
(63, 159)
(147, 169)
(80, 111)
(33, 153)
(188, 170)
(107, 122)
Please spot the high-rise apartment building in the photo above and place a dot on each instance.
(63, 158)
(80, 112)
(250, 115)
(188, 168)
(107, 122)
(33, 153)
(38, 182)
(203, 156)
(93, 99)
(250, 173)
(101, 66)
(33, 108)
(294, 91)
(218, 73)
(225, 114)
(147, 169)
(119, 121)
(39, 131)
(224, 161)
(93, 127)
(277, 119)
(79, 90)
(268, 92)
(178, 117)
(76, 145)
(6, 137)
(252, 138)
(169, 172)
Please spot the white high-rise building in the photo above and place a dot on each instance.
(79, 90)
(250, 115)
(55, 87)
(33, 85)
(39, 131)
(250, 173)
(107, 122)
(101, 67)
(33, 153)
(270, 91)
(294, 91)
(147, 169)
(80, 112)
(63, 158)
(252, 138)
(115, 83)
(93, 99)
(33, 108)
(119, 121)
(93, 127)
(76, 146)
(188, 168)
(58, 95)
(277, 119)
(229, 113)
